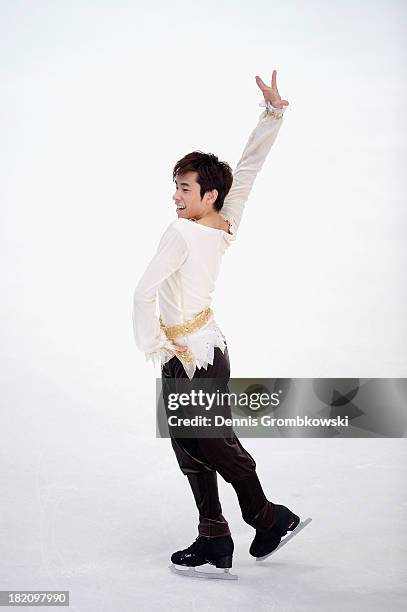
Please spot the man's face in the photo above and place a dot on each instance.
(188, 197)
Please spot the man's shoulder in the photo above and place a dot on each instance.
(175, 231)
(179, 226)
(173, 225)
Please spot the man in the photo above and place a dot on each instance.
(188, 344)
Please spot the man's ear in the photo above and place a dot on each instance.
(213, 194)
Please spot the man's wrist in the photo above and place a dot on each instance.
(273, 110)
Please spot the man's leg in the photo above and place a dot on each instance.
(230, 459)
(237, 466)
(201, 475)
(226, 455)
(204, 486)
(256, 510)
(202, 479)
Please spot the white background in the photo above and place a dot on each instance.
(99, 99)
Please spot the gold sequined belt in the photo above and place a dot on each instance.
(185, 329)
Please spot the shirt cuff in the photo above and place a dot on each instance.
(159, 356)
(272, 108)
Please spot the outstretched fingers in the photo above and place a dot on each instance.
(260, 83)
(274, 79)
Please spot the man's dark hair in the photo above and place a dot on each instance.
(212, 174)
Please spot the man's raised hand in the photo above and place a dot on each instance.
(271, 93)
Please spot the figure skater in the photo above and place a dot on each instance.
(187, 342)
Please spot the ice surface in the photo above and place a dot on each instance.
(98, 507)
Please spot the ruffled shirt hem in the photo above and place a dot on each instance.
(201, 344)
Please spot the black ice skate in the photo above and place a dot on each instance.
(215, 551)
(267, 541)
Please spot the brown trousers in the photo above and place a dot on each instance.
(200, 459)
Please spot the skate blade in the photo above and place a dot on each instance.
(191, 572)
(299, 527)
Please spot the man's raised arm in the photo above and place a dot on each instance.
(254, 154)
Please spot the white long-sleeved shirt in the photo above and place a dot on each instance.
(185, 267)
